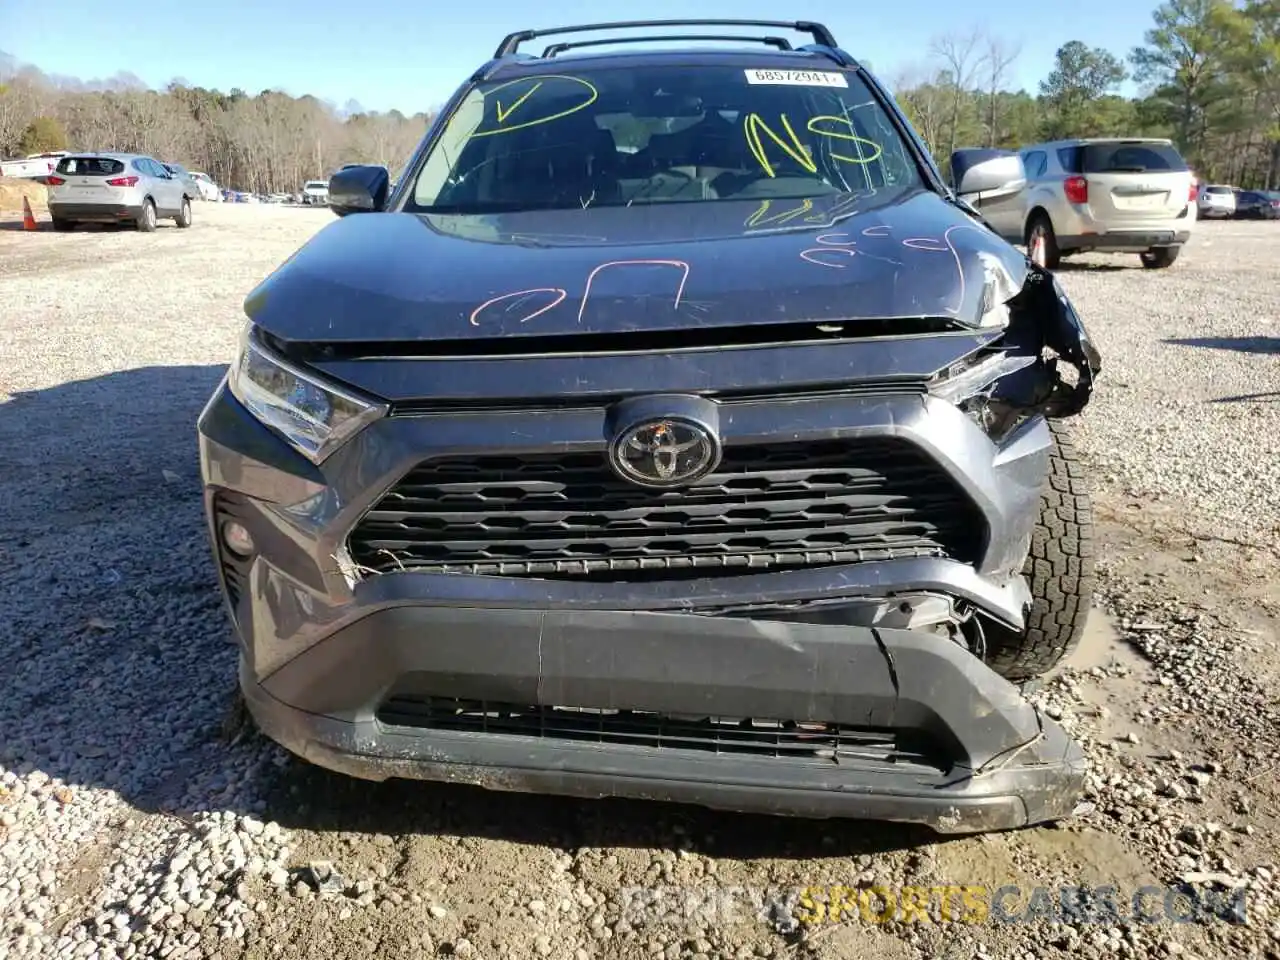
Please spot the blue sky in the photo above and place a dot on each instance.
(410, 57)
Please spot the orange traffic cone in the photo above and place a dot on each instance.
(28, 221)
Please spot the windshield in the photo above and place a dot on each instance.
(1133, 157)
(664, 134)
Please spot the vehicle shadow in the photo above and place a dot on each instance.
(1079, 266)
(1272, 397)
(1263, 345)
(46, 226)
(119, 674)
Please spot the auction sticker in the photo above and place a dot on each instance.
(797, 78)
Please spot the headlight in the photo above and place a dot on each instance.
(968, 384)
(314, 417)
(966, 379)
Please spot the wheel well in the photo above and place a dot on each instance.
(1031, 216)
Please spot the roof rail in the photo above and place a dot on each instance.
(511, 43)
(779, 42)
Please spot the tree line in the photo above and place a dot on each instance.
(265, 143)
(1208, 72)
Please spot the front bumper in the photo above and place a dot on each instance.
(332, 665)
(987, 760)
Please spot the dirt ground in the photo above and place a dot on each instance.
(13, 189)
(1173, 694)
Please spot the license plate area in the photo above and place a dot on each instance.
(1141, 201)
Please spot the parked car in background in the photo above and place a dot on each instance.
(36, 166)
(1130, 195)
(190, 189)
(1217, 200)
(208, 189)
(315, 191)
(1257, 205)
(116, 188)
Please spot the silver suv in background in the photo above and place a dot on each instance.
(115, 188)
(1132, 195)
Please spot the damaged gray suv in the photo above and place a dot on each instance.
(671, 429)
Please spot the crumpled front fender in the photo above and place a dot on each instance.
(1044, 323)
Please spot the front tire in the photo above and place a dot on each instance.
(1042, 242)
(183, 219)
(1160, 258)
(1059, 571)
(63, 226)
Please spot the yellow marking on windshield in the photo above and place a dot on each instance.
(503, 114)
(850, 137)
(527, 103)
(754, 125)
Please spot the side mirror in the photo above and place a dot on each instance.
(985, 175)
(359, 190)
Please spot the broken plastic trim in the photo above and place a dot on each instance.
(1020, 376)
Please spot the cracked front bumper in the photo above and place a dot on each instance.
(986, 759)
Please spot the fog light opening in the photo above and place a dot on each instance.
(237, 538)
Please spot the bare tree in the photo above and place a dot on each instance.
(962, 57)
(919, 92)
(999, 55)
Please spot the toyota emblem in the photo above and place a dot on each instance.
(665, 453)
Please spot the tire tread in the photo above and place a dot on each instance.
(1060, 571)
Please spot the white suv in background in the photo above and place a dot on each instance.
(208, 189)
(1217, 200)
(315, 191)
(1124, 195)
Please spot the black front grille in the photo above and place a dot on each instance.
(781, 506)
(798, 741)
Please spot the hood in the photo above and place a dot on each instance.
(663, 267)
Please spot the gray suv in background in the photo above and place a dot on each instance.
(1130, 195)
(116, 188)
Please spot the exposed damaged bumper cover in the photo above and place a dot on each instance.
(900, 727)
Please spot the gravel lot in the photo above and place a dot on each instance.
(130, 828)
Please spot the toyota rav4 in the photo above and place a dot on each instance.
(671, 429)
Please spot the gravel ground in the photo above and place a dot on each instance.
(130, 828)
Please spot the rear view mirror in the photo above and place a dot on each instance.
(987, 174)
(361, 189)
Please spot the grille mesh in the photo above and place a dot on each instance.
(781, 506)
